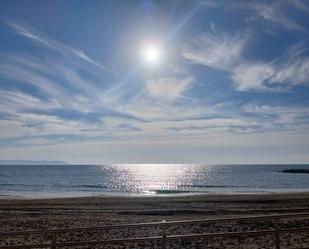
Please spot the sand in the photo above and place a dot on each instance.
(34, 214)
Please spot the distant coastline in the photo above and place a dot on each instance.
(32, 162)
(299, 171)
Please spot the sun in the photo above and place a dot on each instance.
(152, 54)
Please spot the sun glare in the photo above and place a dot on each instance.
(152, 54)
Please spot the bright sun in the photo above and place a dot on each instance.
(152, 54)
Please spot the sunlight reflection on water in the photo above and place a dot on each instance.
(154, 178)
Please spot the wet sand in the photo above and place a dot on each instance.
(26, 214)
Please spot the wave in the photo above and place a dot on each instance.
(169, 191)
(91, 186)
(19, 185)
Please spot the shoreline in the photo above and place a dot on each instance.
(168, 194)
(191, 200)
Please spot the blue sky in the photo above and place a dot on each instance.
(230, 86)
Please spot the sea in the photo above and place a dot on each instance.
(49, 181)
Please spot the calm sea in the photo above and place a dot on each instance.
(147, 179)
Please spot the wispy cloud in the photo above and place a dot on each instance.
(300, 4)
(17, 71)
(64, 106)
(51, 76)
(276, 117)
(169, 89)
(272, 13)
(253, 76)
(210, 3)
(24, 117)
(216, 51)
(281, 73)
(30, 33)
(227, 53)
(15, 101)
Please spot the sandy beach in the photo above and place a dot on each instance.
(34, 214)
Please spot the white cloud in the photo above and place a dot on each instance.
(286, 117)
(287, 71)
(219, 52)
(210, 3)
(227, 53)
(294, 72)
(55, 79)
(24, 127)
(19, 72)
(16, 101)
(273, 14)
(300, 4)
(252, 76)
(212, 27)
(28, 32)
(170, 89)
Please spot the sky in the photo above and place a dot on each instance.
(230, 84)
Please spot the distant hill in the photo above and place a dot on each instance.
(30, 162)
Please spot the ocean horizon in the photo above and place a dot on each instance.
(53, 181)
